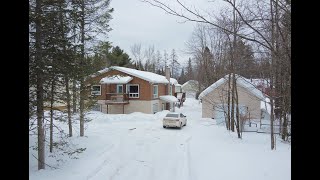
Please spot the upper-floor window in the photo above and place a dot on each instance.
(133, 90)
(155, 91)
(170, 92)
(96, 90)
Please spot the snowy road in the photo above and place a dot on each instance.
(137, 147)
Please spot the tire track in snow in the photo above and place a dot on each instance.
(96, 171)
(105, 152)
(190, 169)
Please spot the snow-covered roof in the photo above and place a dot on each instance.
(190, 82)
(191, 85)
(174, 113)
(168, 98)
(148, 76)
(259, 82)
(241, 81)
(116, 79)
(100, 72)
(173, 81)
(178, 84)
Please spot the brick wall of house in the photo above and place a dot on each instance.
(145, 88)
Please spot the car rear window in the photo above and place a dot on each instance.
(172, 115)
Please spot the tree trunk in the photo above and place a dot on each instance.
(284, 127)
(272, 76)
(234, 81)
(66, 78)
(74, 97)
(51, 113)
(82, 86)
(229, 88)
(238, 127)
(232, 107)
(39, 76)
(68, 105)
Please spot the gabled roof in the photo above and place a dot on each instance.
(173, 81)
(241, 81)
(168, 98)
(100, 72)
(116, 79)
(190, 82)
(193, 83)
(148, 76)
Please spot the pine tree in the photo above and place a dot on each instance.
(189, 74)
(174, 63)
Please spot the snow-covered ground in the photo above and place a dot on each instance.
(136, 147)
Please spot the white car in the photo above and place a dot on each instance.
(174, 120)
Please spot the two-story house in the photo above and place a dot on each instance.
(121, 90)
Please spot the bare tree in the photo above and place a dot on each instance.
(266, 25)
(158, 63)
(137, 54)
(165, 58)
(150, 58)
(174, 63)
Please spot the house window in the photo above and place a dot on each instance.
(170, 90)
(97, 107)
(133, 90)
(119, 88)
(155, 91)
(96, 90)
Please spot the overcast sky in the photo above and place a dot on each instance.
(138, 22)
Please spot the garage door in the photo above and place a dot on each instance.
(155, 108)
(191, 94)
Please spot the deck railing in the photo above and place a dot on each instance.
(113, 98)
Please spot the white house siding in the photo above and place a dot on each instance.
(251, 101)
(133, 106)
(191, 88)
(214, 99)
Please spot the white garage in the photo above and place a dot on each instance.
(214, 99)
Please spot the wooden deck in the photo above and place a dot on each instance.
(116, 99)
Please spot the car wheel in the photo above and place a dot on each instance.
(180, 125)
(185, 123)
(164, 126)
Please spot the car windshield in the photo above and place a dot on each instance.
(172, 115)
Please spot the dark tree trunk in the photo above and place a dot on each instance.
(237, 110)
(74, 97)
(82, 86)
(51, 114)
(39, 77)
(228, 113)
(272, 77)
(68, 105)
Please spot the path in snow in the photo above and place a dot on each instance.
(137, 147)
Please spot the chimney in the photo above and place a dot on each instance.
(167, 72)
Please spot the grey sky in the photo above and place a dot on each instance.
(138, 22)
